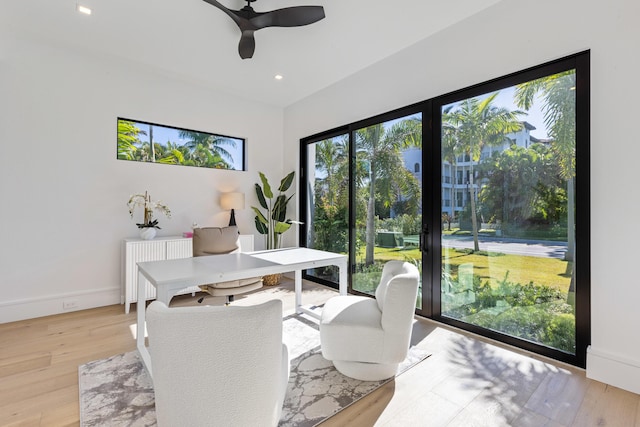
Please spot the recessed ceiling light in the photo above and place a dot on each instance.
(278, 77)
(83, 9)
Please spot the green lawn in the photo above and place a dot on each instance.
(522, 269)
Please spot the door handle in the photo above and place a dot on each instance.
(424, 246)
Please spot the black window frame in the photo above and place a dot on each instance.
(432, 206)
(143, 122)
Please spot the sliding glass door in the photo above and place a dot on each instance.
(508, 250)
(326, 183)
(387, 196)
(488, 196)
(511, 153)
(362, 187)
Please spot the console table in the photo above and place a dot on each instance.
(171, 276)
(160, 248)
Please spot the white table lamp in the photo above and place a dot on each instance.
(232, 201)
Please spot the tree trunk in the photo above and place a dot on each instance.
(311, 218)
(453, 192)
(571, 220)
(370, 230)
(152, 152)
(570, 255)
(474, 219)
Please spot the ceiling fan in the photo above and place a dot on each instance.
(250, 21)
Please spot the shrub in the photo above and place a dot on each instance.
(560, 332)
(366, 278)
(532, 312)
(407, 224)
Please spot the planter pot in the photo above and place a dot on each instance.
(272, 279)
(147, 233)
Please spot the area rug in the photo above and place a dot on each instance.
(117, 391)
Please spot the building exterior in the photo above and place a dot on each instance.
(456, 176)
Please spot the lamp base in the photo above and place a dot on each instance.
(232, 219)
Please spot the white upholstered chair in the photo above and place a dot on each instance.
(216, 241)
(366, 338)
(216, 365)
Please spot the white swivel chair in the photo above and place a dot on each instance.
(217, 365)
(366, 338)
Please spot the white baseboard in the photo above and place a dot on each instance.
(613, 369)
(12, 311)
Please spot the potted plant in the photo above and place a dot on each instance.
(149, 225)
(273, 221)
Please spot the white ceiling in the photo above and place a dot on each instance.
(192, 40)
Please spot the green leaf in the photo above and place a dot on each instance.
(286, 182)
(260, 216)
(261, 199)
(280, 208)
(266, 186)
(281, 227)
(262, 229)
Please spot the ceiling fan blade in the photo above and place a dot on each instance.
(247, 44)
(232, 13)
(295, 16)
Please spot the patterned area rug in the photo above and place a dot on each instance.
(117, 391)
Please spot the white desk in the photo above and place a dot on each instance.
(160, 248)
(171, 276)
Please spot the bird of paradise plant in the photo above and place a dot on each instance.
(274, 221)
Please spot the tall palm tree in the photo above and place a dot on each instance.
(331, 189)
(559, 109)
(450, 151)
(479, 123)
(381, 147)
(332, 160)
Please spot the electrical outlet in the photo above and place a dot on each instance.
(69, 304)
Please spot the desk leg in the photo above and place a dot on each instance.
(140, 329)
(298, 287)
(342, 284)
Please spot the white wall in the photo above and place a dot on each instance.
(63, 193)
(508, 37)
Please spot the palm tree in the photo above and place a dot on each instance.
(331, 192)
(478, 123)
(450, 151)
(332, 160)
(127, 139)
(380, 147)
(170, 154)
(559, 109)
(197, 141)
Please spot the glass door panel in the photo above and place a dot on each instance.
(388, 198)
(327, 210)
(508, 233)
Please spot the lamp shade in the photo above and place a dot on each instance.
(232, 201)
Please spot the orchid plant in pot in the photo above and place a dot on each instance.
(149, 225)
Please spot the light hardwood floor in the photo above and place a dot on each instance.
(468, 381)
